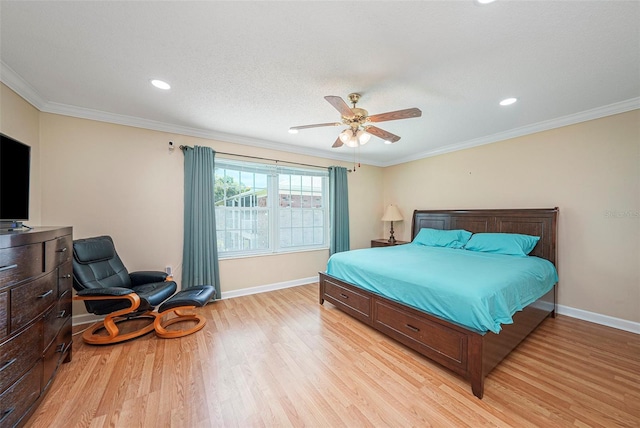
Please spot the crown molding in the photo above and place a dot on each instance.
(20, 86)
(101, 116)
(10, 78)
(595, 113)
(16, 83)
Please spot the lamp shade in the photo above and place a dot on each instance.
(352, 142)
(392, 214)
(345, 135)
(363, 137)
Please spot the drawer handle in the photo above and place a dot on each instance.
(3, 268)
(6, 413)
(63, 347)
(67, 276)
(410, 327)
(8, 363)
(61, 250)
(47, 294)
(62, 314)
(344, 296)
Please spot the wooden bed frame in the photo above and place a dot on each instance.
(467, 352)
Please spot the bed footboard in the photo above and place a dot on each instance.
(466, 352)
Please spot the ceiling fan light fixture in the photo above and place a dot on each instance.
(358, 131)
(293, 131)
(352, 142)
(363, 137)
(345, 136)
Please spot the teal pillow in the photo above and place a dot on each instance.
(442, 238)
(512, 244)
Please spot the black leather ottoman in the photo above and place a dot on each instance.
(181, 305)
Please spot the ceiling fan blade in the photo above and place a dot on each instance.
(316, 125)
(381, 133)
(338, 143)
(340, 105)
(395, 115)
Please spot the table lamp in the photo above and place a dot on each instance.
(392, 214)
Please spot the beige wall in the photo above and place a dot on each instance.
(110, 179)
(103, 178)
(591, 171)
(123, 181)
(20, 120)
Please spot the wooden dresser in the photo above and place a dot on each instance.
(35, 316)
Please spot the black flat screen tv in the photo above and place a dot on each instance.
(15, 164)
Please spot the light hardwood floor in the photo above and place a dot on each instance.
(280, 359)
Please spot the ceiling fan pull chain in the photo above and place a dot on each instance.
(354, 159)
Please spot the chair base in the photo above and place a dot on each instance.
(187, 317)
(181, 305)
(110, 324)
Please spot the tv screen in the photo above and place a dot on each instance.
(15, 162)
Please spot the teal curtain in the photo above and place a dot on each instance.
(200, 251)
(339, 206)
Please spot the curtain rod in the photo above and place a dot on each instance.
(267, 159)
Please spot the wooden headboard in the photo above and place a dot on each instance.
(536, 222)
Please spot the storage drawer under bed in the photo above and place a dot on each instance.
(356, 304)
(437, 341)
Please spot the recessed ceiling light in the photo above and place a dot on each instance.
(508, 101)
(160, 84)
(293, 131)
(484, 1)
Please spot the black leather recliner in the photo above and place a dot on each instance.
(102, 281)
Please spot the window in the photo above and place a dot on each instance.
(268, 209)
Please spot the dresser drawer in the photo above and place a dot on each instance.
(57, 252)
(20, 263)
(349, 300)
(4, 314)
(437, 341)
(30, 300)
(36, 287)
(57, 317)
(65, 278)
(19, 353)
(16, 400)
(55, 353)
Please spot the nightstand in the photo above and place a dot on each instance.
(385, 243)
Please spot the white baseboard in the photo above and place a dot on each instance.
(90, 318)
(268, 287)
(620, 324)
(85, 319)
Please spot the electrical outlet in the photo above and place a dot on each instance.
(168, 270)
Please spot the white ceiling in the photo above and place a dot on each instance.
(246, 71)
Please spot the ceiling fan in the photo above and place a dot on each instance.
(357, 119)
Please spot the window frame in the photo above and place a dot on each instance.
(273, 207)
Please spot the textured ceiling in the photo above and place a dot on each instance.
(246, 71)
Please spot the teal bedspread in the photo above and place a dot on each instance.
(477, 290)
